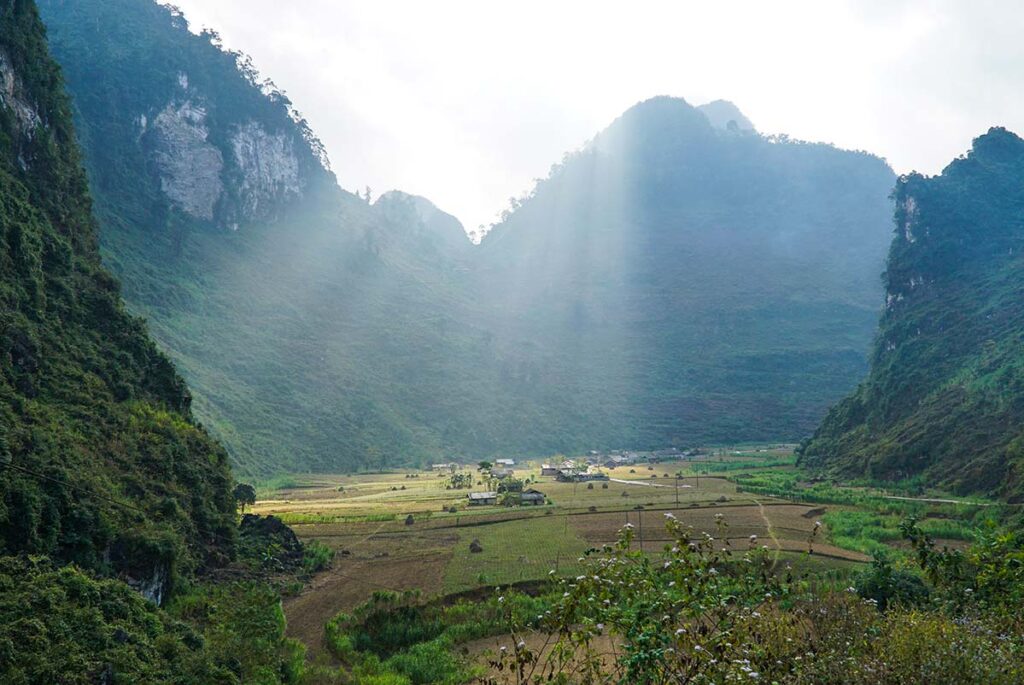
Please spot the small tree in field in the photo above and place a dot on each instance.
(244, 494)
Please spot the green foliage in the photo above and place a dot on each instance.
(393, 635)
(988, 576)
(61, 625)
(242, 625)
(316, 556)
(244, 494)
(103, 464)
(887, 586)
(703, 613)
(945, 395)
(460, 480)
(872, 533)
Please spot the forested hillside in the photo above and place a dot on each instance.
(681, 283)
(116, 508)
(676, 281)
(314, 328)
(100, 462)
(945, 395)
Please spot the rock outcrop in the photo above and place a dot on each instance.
(247, 177)
(267, 170)
(189, 165)
(12, 96)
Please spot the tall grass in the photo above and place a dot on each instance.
(393, 636)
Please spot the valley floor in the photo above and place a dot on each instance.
(364, 519)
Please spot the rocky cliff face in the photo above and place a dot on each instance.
(680, 281)
(13, 97)
(189, 166)
(266, 171)
(246, 175)
(726, 116)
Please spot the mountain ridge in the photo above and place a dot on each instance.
(943, 398)
(327, 333)
(664, 229)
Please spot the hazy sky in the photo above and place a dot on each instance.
(465, 102)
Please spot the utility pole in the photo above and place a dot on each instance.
(640, 519)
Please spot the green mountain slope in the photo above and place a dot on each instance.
(678, 282)
(945, 395)
(100, 462)
(317, 331)
(320, 332)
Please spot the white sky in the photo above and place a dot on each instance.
(465, 102)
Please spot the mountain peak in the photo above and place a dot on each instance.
(652, 123)
(726, 116)
(398, 205)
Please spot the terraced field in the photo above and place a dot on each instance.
(364, 518)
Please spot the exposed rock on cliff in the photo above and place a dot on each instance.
(267, 170)
(12, 96)
(189, 166)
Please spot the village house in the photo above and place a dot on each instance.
(619, 460)
(502, 473)
(664, 455)
(580, 475)
(504, 462)
(532, 497)
(478, 499)
(450, 466)
(548, 470)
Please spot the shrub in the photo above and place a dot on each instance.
(886, 585)
(316, 556)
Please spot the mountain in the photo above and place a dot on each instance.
(100, 461)
(675, 282)
(425, 221)
(944, 399)
(316, 331)
(726, 116)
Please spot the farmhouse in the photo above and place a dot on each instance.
(502, 473)
(579, 475)
(451, 466)
(478, 499)
(664, 455)
(532, 497)
(505, 462)
(548, 470)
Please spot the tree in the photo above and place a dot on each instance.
(484, 466)
(244, 494)
(460, 480)
(510, 485)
